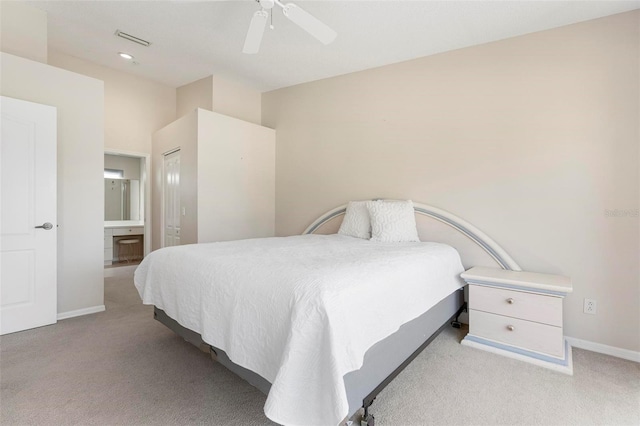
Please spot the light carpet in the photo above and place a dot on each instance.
(121, 367)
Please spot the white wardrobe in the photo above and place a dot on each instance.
(225, 183)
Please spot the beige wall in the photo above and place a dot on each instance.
(236, 100)
(532, 139)
(80, 109)
(222, 96)
(23, 31)
(135, 107)
(197, 94)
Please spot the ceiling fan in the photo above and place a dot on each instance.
(295, 13)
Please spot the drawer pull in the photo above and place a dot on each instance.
(510, 328)
(510, 301)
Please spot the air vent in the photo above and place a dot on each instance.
(134, 39)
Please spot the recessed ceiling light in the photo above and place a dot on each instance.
(125, 55)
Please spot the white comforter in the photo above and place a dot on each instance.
(300, 311)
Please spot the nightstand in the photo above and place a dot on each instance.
(519, 315)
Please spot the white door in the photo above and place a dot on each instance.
(171, 199)
(28, 285)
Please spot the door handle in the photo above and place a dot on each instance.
(46, 226)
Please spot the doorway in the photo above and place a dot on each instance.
(127, 222)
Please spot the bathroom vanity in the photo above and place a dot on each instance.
(119, 244)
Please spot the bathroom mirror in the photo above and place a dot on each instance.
(121, 199)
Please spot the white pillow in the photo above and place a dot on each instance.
(392, 221)
(356, 221)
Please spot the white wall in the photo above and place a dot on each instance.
(182, 134)
(80, 104)
(23, 31)
(532, 139)
(236, 179)
(135, 107)
(227, 178)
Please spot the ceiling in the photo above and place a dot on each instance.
(194, 39)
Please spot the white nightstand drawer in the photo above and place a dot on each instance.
(529, 335)
(128, 231)
(108, 254)
(517, 304)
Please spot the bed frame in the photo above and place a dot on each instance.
(387, 358)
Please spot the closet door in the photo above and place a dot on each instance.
(171, 199)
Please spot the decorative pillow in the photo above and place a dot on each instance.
(392, 221)
(356, 221)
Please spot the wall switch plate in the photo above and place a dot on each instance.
(590, 306)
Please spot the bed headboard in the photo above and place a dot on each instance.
(434, 224)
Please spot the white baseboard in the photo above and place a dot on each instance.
(80, 312)
(604, 349)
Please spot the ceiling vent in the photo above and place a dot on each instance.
(134, 39)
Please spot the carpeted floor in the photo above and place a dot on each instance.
(121, 367)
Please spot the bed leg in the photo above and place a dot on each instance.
(455, 323)
(367, 418)
(213, 353)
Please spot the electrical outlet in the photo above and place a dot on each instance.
(590, 306)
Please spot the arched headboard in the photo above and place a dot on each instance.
(434, 233)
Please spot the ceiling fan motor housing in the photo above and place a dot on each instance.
(267, 4)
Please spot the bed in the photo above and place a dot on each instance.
(319, 323)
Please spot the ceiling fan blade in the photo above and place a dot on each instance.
(309, 23)
(255, 33)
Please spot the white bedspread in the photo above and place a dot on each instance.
(300, 311)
